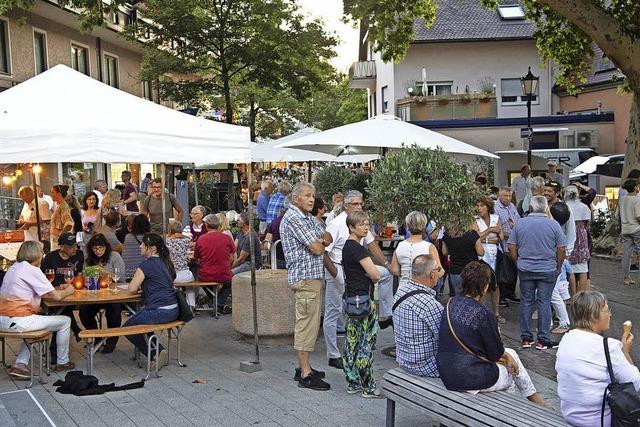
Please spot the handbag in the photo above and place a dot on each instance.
(623, 399)
(506, 269)
(357, 306)
(184, 311)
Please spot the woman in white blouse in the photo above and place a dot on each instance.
(581, 365)
(409, 249)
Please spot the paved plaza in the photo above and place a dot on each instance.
(212, 390)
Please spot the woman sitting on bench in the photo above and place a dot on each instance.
(471, 356)
(155, 277)
(22, 288)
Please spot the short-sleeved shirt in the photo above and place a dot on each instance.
(538, 237)
(521, 186)
(244, 244)
(629, 212)
(28, 214)
(131, 254)
(214, 251)
(340, 234)
(129, 189)
(154, 207)
(298, 231)
(565, 272)
(53, 261)
(506, 213)
(25, 282)
(61, 218)
(157, 287)
(262, 206)
(462, 250)
(355, 277)
(178, 248)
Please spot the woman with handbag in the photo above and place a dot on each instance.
(360, 313)
(582, 366)
(471, 356)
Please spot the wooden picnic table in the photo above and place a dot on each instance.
(9, 250)
(101, 296)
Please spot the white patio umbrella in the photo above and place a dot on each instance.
(270, 151)
(382, 131)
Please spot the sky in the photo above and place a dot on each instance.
(331, 12)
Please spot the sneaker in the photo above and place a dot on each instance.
(373, 394)
(526, 343)
(225, 309)
(298, 374)
(336, 363)
(503, 303)
(513, 300)
(560, 329)
(384, 324)
(546, 345)
(161, 360)
(354, 389)
(314, 383)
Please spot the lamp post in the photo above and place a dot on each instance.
(529, 88)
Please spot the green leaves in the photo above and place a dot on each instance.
(330, 180)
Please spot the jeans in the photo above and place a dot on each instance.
(536, 287)
(333, 310)
(149, 316)
(113, 313)
(455, 281)
(630, 243)
(59, 324)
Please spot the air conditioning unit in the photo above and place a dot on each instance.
(586, 138)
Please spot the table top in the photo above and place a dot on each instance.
(9, 250)
(102, 296)
(386, 239)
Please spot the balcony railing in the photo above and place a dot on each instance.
(447, 107)
(362, 75)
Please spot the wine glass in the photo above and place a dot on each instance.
(51, 274)
(117, 274)
(112, 283)
(68, 276)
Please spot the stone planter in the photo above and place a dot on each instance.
(275, 305)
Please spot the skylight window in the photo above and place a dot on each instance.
(511, 12)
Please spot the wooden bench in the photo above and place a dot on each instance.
(100, 335)
(209, 288)
(451, 408)
(35, 340)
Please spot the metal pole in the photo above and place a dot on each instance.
(530, 134)
(195, 183)
(35, 203)
(163, 173)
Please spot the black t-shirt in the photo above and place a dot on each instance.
(462, 250)
(53, 260)
(356, 280)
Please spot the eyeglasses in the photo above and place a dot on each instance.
(437, 270)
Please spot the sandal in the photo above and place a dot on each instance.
(560, 330)
(19, 374)
(627, 281)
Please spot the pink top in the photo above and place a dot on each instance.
(25, 282)
(86, 218)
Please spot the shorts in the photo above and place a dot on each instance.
(308, 299)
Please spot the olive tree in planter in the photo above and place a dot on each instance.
(330, 180)
(424, 180)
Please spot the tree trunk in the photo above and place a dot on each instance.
(632, 157)
(253, 113)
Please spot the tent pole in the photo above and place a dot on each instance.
(195, 183)
(35, 203)
(163, 173)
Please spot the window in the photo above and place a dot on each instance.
(5, 64)
(111, 71)
(511, 93)
(80, 59)
(433, 88)
(40, 51)
(385, 100)
(511, 12)
(115, 18)
(147, 90)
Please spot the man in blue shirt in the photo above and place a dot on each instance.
(276, 203)
(263, 204)
(538, 246)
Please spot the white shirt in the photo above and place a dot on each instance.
(580, 211)
(521, 186)
(557, 177)
(405, 253)
(569, 229)
(582, 376)
(99, 195)
(340, 234)
(29, 214)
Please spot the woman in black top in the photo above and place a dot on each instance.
(463, 245)
(360, 275)
(471, 355)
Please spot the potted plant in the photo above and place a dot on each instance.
(465, 99)
(92, 277)
(443, 100)
(330, 180)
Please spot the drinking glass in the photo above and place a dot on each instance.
(113, 285)
(117, 274)
(68, 276)
(51, 274)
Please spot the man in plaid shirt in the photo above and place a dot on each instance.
(276, 203)
(417, 319)
(304, 242)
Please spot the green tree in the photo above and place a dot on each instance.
(330, 180)
(565, 31)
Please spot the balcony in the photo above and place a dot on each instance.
(362, 75)
(447, 107)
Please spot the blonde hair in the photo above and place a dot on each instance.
(30, 251)
(110, 199)
(224, 223)
(416, 222)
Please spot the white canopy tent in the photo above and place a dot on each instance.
(382, 131)
(62, 115)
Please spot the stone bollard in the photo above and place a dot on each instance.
(275, 305)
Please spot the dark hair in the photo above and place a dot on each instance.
(141, 225)
(318, 204)
(634, 173)
(475, 278)
(553, 184)
(86, 197)
(481, 179)
(148, 175)
(157, 180)
(153, 239)
(62, 189)
(112, 218)
(98, 240)
(630, 185)
(488, 202)
(244, 217)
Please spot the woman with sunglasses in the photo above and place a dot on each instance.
(99, 252)
(154, 276)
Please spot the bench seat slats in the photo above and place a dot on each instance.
(37, 334)
(128, 330)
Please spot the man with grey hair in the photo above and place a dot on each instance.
(509, 216)
(277, 201)
(304, 242)
(416, 318)
(215, 252)
(538, 246)
(28, 218)
(537, 189)
(334, 276)
(100, 189)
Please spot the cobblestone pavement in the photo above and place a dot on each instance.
(213, 351)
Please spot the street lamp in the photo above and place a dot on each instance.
(529, 88)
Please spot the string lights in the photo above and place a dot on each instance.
(9, 178)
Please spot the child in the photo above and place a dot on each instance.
(560, 295)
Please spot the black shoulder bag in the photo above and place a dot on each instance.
(405, 296)
(623, 399)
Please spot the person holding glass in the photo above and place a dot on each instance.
(99, 252)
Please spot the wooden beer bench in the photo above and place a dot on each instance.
(211, 289)
(35, 340)
(96, 337)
